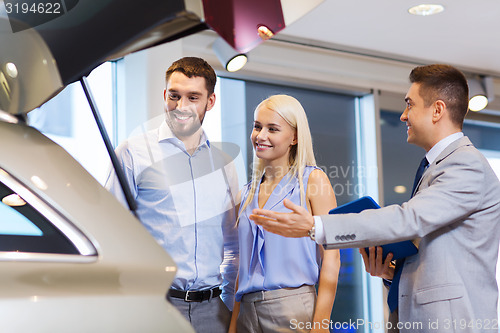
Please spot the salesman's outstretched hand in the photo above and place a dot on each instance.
(297, 223)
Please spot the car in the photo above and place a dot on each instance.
(72, 258)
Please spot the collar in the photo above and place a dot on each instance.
(441, 145)
(165, 133)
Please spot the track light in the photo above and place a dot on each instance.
(229, 57)
(481, 92)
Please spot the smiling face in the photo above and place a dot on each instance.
(272, 137)
(418, 119)
(186, 102)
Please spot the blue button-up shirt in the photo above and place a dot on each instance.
(187, 202)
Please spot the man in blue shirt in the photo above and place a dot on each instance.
(185, 190)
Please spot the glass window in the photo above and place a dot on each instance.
(400, 159)
(484, 136)
(13, 222)
(24, 229)
(67, 119)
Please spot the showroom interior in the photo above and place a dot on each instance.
(353, 97)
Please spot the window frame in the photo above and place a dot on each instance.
(87, 252)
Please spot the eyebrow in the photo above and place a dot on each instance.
(271, 124)
(189, 93)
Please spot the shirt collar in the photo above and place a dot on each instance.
(165, 133)
(441, 145)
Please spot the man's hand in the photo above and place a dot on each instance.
(375, 266)
(294, 224)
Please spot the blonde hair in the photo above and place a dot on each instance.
(301, 154)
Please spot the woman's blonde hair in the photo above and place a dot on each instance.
(301, 154)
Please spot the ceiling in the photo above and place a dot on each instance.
(465, 35)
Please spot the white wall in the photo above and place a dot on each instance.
(141, 81)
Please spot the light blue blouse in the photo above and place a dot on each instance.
(269, 261)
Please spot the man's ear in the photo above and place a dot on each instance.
(211, 101)
(439, 110)
(165, 95)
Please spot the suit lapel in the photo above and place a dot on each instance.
(463, 141)
(452, 147)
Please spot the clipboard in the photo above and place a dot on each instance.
(399, 249)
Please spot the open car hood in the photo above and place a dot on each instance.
(40, 54)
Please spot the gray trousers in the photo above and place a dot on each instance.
(206, 317)
(281, 310)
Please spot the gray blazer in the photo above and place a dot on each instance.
(450, 284)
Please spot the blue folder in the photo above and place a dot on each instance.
(399, 250)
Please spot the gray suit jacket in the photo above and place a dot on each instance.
(451, 282)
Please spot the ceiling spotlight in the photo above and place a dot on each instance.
(229, 57)
(481, 92)
(264, 32)
(426, 9)
(478, 102)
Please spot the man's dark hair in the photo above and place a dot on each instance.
(192, 66)
(446, 83)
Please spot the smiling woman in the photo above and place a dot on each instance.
(331, 117)
(284, 168)
(272, 136)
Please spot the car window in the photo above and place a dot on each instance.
(24, 229)
(13, 222)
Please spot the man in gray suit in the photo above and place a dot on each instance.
(450, 284)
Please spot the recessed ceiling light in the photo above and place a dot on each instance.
(426, 9)
(400, 189)
(264, 32)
